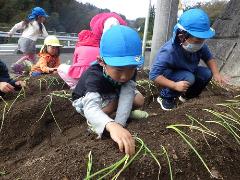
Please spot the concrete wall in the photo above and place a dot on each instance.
(226, 44)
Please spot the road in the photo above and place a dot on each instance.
(10, 56)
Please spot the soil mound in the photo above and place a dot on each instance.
(43, 137)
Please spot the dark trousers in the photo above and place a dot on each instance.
(198, 80)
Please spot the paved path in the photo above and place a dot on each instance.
(65, 57)
(11, 58)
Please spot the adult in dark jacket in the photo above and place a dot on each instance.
(7, 84)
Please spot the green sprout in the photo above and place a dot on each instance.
(187, 139)
(169, 162)
(50, 109)
(143, 83)
(3, 114)
(21, 93)
(124, 162)
(227, 122)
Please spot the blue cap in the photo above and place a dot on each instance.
(121, 46)
(196, 23)
(37, 11)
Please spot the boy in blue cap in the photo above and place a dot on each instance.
(109, 86)
(176, 65)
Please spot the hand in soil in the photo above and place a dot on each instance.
(222, 80)
(21, 83)
(121, 136)
(6, 87)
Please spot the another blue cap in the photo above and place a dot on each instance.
(37, 11)
(121, 46)
(196, 23)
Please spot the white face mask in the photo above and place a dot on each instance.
(190, 47)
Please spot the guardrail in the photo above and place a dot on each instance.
(61, 38)
(11, 48)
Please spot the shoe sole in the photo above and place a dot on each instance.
(160, 102)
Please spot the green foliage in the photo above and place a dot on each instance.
(67, 15)
(140, 22)
(213, 8)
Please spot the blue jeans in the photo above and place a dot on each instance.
(198, 80)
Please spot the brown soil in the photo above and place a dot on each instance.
(36, 149)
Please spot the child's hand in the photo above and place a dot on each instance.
(6, 87)
(181, 86)
(21, 83)
(121, 136)
(52, 69)
(10, 34)
(222, 80)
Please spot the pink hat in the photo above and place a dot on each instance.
(87, 38)
(97, 22)
(92, 38)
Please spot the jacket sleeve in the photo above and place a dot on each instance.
(206, 54)
(43, 65)
(75, 56)
(92, 108)
(44, 31)
(16, 27)
(162, 62)
(4, 76)
(125, 102)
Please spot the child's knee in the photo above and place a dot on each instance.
(138, 100)
(110, 108)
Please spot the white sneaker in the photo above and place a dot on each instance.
(165, 105)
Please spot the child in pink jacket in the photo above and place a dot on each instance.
(87, 47)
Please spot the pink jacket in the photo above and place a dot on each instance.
(92, 37)
(82, 58)
(87, 47)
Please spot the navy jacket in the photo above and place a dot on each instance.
(172, 56)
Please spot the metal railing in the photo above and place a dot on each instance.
(61, 38)
(69, 38)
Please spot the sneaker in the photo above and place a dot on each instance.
(167, 104)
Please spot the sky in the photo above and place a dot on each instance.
(132, 9)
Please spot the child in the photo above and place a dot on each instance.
(176, 64)
(8, 85)
(48, 57)
(87, 47)
(32, 28)
(109, 86)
